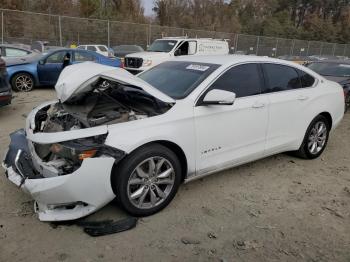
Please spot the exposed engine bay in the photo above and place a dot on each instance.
(108, 103)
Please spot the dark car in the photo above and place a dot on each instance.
(122, 50)
(5, 88)
(46, 69)
(337, 71)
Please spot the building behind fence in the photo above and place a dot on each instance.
(28, 27)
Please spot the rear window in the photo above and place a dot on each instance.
(331, 69)
(306, 79)
(178, 79)
(281, 78)
(83, 56)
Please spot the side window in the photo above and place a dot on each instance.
(56, 58)
(244, 80)
(91, 48)
(83, 57)
(102, 48)
(12, 52)
(192, 47)
(306, 79)
(281, 78)
(182, 49)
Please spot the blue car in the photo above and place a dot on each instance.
(45, 70)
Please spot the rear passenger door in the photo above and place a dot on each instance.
(288, 93)
(231, 134)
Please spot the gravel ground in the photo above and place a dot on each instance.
(277, 209)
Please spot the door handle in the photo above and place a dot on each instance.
(258, 105)
(302, 98)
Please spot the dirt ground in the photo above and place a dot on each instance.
(276, 209)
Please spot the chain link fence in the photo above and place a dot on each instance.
(28, 27)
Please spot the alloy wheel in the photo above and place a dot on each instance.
(317, 138)
(151, 182)
(24, 83)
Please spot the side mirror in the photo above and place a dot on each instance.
(41, 62)
(219, 97)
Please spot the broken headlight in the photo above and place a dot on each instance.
(71, 152)
(80, 149)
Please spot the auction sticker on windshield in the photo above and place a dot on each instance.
(198, 67)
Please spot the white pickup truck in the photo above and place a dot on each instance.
(167, 48)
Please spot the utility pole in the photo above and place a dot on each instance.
(2, 27)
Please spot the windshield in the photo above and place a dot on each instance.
(178, 79)
(331, 69)
(162, 46)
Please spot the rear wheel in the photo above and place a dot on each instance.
(316, 138)
(147, 180)
(22, 82)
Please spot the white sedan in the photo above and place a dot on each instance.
(137, 138)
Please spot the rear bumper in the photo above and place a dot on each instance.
(59, 198)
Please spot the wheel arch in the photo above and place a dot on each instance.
(329, 118)
(36, 82)
(179, 152)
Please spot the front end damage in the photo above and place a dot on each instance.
(61, 159)
(67, 185)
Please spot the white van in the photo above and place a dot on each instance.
(167, 48)
(100, 49)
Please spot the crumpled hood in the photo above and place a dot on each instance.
(149, 55)
(77, 79)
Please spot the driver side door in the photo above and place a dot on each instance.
(228, 135)
(50, 69)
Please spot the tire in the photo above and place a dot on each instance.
(22, 82)
(141, 192)
(312, 147)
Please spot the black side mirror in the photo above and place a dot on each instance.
(41, 62)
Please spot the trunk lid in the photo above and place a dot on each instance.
(77, 79)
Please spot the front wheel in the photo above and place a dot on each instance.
(316, 138)
(147, 180)
(22, 82)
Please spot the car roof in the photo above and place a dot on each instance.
(192, 39)
(51, 51)
(230, 59)
(332, 61)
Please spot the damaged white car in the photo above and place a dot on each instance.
(111, 134)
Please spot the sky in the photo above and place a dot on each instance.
(148, 5)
